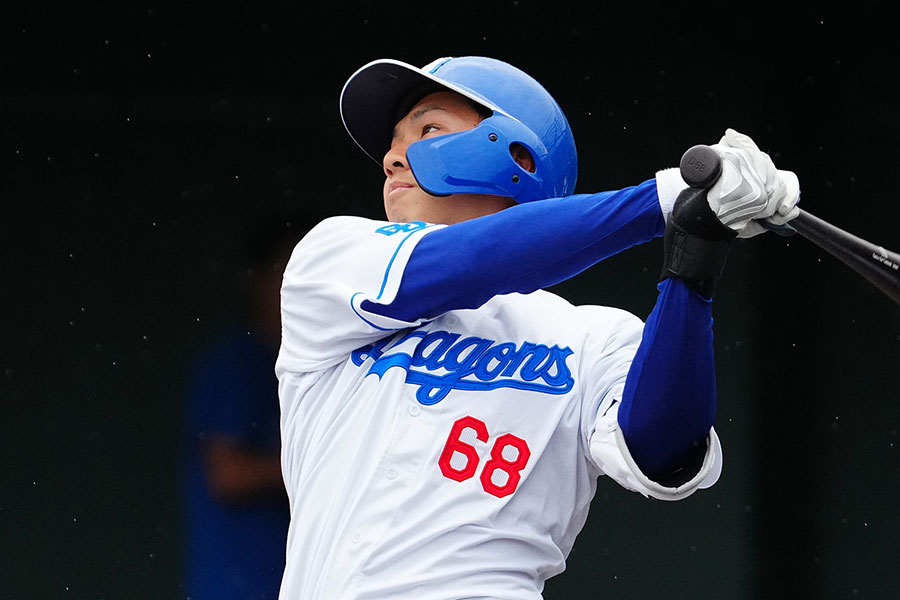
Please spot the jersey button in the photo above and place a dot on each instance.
(414, 410)
(392, 473)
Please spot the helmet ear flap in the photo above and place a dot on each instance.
(483, 160)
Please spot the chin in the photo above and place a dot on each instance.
(400, 212)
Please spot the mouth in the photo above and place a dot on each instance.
(397, 187)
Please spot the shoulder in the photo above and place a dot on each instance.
(593, 328)
(344, 230)
(544, 306)
(339, 225)
(329, 236)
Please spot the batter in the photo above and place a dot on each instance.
(444, 419)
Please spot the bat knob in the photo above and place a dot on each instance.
(701, 166)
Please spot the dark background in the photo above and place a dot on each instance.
(140, 143)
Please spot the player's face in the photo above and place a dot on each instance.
(439, 113)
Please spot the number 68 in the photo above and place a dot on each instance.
(497, 462)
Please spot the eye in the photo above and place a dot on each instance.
(429, 129)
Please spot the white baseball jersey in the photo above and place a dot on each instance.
(447, 458)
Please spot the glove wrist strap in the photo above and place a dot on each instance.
(696, 243)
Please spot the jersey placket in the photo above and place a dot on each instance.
(397, 469)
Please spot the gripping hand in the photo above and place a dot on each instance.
(750, 188)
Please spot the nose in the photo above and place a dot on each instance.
(394, 159)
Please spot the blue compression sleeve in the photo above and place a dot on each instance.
(669, 403)
(521, 249)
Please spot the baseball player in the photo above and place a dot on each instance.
(445, 420)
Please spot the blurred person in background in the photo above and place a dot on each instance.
(237, 517)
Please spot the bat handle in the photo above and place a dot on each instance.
(700, 167)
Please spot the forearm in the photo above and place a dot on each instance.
(521, 249)
(669, 402)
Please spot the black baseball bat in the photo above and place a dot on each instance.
(701, 167)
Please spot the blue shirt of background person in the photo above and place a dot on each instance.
(236, 510)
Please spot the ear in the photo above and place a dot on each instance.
(522, 156)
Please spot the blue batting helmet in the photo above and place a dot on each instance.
(478, 161)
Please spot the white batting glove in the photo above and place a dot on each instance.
(750, 188)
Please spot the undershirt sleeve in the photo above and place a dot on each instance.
(521, 249)
(669, 401)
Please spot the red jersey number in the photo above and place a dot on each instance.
(501, 474)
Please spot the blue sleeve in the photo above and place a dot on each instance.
(521, 249)
(669, 402)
